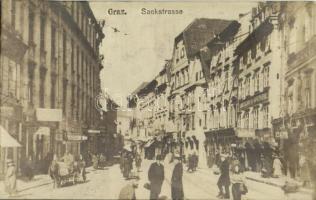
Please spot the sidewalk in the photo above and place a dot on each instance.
(22, 185)
(277, 182)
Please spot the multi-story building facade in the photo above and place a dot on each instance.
(188, 103)
(296, 125)
(259, 73)
(58, 75)
(221, 73)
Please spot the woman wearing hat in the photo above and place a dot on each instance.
(10, 177)
(176, 179)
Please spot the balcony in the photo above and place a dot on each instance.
(298, 58)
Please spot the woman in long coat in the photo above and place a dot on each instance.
(176, 180)
(10, 178)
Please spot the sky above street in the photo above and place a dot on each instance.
(136, 46)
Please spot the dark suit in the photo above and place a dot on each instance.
(176, 182)
(224, 179)
(156, 175)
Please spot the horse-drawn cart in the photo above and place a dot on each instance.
(66, 173)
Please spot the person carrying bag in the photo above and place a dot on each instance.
(239, 187)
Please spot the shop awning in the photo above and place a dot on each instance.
(6, 140)
(245, 133)
(43, 131)
(220, 132)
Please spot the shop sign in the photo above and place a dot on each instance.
(94, 131)
(49, 115)
(77, 137)
(254, 100)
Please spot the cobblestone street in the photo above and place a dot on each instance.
(198, 185)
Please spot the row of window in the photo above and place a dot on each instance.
(181, 78)
(254, 83)
(252, 119)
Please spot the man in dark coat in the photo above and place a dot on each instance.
(156, 175)
(224, 179)
(176, 180)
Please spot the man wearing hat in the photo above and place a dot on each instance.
(10, 177)
(156, 175)
(176, 179)
(224, 179)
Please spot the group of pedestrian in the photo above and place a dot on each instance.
(156, 176)
(98, 161)
(126, 163)
(230, 174)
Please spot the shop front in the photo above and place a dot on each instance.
(296, 136)
(11, 134)
(219, 141)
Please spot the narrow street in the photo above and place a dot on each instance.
(106, 184)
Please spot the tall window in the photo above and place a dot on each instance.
(308, 91)
(205, 119)
(256, 81)
(53, 91)
(247, 86)
(30, 83)
(246, 120)
(255, 117)
(241, 89)
(42, 87)
(64, 50)
(31, 25)
(53, 41)
(42, 32)
(64, 96)
(193, 121)
(266, 77)
(72, 56)
(13, 13)
(226, 81)
(266, 116)
(239, 120)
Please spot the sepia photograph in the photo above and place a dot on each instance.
(158, 100)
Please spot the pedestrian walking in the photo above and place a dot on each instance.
(28, 169)
(138, 161)
(10, 178)
(239, 187)
(95, 161)
(53, 172)
(190, 163)
(156, 175)
(195, 159)
(224, 179)
(128, 165)
(277, 167)
(304, 171)
(176, 179)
